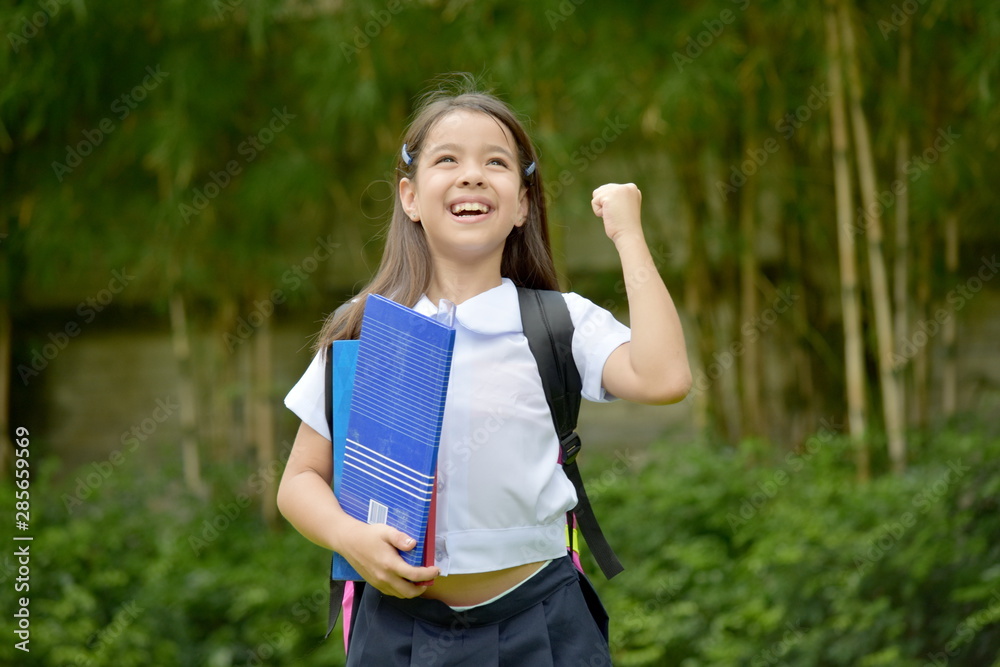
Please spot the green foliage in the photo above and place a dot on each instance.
(728, 563)
(797, 563)
(140, 574)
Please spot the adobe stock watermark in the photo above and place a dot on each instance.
(465, 449)
(925, 330)
(795, 461)
(966, 631)
(751, 330)
(223, 7)
(565, 9)
(302, 611)
(228, 512)
(431, 652)
(584, 156)
(101, 471)
(660, 253)
(59, 340)
(250, 148)
(30, 26)
(312, 603)
(914, 168)
(666, 588)
(263, 653)
(623, 463)
(103, 641)
(293, 278)
(701, 42)
(365, 35)
(123, 105)
(891, 532)
(786, 126)
(901, 13)
(775, 653)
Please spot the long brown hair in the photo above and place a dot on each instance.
(405, 271)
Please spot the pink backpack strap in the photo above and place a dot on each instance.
(348, 610)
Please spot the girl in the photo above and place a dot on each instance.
(468, 225)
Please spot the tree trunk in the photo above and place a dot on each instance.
(263, 418)
(901, 279)
(949, 380)
(223, 427)
(881, 303)
(187, 396)
(850, 304)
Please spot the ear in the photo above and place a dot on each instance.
(408, 198)
(522, 208)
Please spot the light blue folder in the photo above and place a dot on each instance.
(345, 358)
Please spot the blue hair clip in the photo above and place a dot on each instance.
(530, 169)
(407, 158)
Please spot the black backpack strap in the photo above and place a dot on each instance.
(328, 391)
(336, 602)
(548, 327)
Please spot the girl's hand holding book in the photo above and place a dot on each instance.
(373, 550)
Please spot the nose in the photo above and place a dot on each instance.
(472, 176)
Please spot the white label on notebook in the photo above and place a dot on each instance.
(377, 512)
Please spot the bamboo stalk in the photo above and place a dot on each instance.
(901, 278)
(881, 304)
(847, 254)
(224, 427)
(186, 395)
(921, 363)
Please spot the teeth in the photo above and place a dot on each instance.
(470, 206)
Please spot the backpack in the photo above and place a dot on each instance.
(549, 329)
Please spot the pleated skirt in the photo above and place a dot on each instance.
(555, 619)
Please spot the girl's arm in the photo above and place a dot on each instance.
(306, 500)
(652, 368)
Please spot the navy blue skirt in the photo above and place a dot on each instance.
(555, 619)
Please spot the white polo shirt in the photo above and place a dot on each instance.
(502, 494)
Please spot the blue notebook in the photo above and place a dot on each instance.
(345, 358)
(389, 462)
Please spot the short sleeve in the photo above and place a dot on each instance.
(596, 334)
(307, 398)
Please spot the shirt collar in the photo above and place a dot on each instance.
(495, 311)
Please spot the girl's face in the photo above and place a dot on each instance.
(467, 191)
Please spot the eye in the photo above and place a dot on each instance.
(444, 158)
(498, 162)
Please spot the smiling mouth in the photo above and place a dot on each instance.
(470, 210)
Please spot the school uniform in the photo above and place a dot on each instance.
(502, 499)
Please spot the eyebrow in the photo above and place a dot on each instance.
(491, 148)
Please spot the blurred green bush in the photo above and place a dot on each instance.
(730, 561)
(794, 562)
